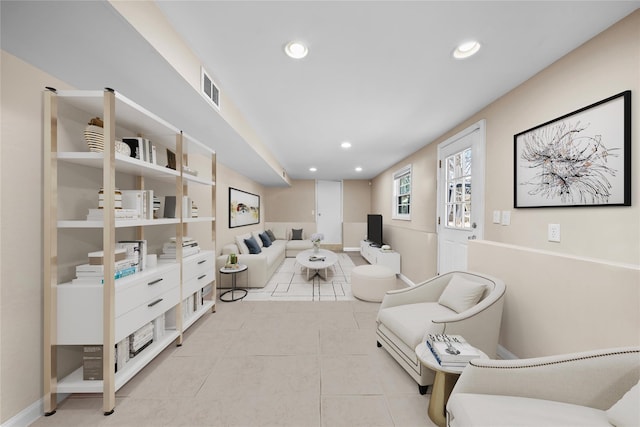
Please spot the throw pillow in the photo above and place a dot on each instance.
(296, 234)
(266, 241)
(461, 294)
(242, 247)
(252, 245)
(256, 237)
(272, 236)
(624, 413)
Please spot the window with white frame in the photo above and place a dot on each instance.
(402, 193)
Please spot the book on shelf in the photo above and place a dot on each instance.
(88, 270)
(172, 254)
(451, 350)
(120, 214)
(141, 148)
(136, 251)
(99, 280)
(139, 201)
(97, 257)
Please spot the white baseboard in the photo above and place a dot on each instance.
(505, 354)
(351, 249)
(31, 413)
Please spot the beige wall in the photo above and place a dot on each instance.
(598, 236)
(21, 227)
(356, 196)
(415, 240)
(229, 178)
(569, 304)
(296, 203)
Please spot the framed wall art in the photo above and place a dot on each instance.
(244, 208)
(580, 159)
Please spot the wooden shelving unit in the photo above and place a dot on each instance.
(171, 296)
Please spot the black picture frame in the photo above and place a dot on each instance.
(580, 159)
(244, 208)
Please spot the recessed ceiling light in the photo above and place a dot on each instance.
(296, 50)
(358, 169)
(312, 169)
(346, 144)
(466, 49)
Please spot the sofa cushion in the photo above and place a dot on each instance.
(296, 234)
(461, 294)
(242, 247)
(466, 409)
(256, 237)
(272, 236)
(410, 322)
(625, 412)
(266, 241)
(253, 246)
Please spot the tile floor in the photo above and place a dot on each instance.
(265, 364)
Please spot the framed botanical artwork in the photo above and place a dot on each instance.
(580, 159)
(244, 208)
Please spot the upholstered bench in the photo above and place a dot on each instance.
(371, 282)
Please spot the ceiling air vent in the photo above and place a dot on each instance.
(209, 89)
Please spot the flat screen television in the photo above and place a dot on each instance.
(374, 230)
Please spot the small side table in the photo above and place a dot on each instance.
(233, 272)
(446, 378)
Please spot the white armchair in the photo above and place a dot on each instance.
(591, 388)
(457, 303)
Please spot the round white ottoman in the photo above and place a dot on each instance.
(371, 282)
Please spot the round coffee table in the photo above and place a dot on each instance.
(233, 272)
(317, 262)
(446, 378)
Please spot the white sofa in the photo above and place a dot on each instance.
(456, 303)
(260, 266)
(592, 388)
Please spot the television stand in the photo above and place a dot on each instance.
(377, 256)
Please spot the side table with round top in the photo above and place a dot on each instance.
(445, 379)
(233, 271)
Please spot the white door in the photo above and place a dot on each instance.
(460, 196)
(329, 210)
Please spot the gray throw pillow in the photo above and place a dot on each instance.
(296, 234)
(272, 236)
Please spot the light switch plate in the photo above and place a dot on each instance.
(496, 217)
(506, 217)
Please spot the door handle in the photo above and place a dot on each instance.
(472, 237)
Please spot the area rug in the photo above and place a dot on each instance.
(289, 283)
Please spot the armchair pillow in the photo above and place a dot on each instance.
(252, 245)
(461, 294)
(296, 234)
(266, 241)
(624, 413)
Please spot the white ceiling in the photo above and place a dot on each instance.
(379, 73)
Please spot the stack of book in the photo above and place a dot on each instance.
(170, 249)
(140, 339)
(451, 351)
(135, 251)
(93, 272)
